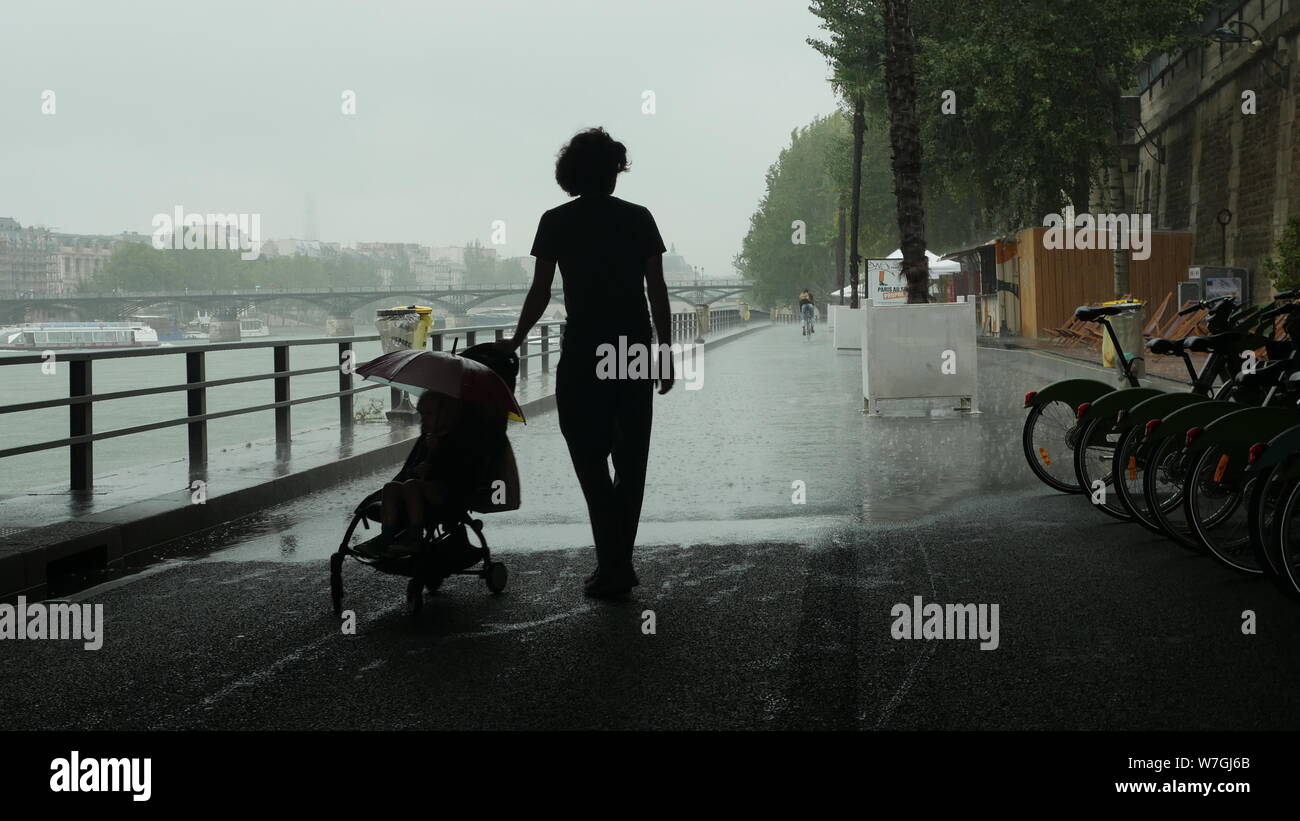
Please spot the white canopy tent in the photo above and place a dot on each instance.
(937, 267)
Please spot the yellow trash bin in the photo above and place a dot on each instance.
(1128, 327)
(404, 327)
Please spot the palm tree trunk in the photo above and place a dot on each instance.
(859, 126)
(905, 140)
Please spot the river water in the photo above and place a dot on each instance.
(27, 383)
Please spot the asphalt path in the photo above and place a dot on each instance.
(781, 529)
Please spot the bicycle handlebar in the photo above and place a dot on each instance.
(1203, 304)
(1289, 308)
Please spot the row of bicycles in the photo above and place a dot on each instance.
(1216, 467)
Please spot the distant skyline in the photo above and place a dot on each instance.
(460, 110)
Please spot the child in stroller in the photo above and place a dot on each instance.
(459, 441)
(461, 462)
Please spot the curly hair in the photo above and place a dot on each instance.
(590, 163)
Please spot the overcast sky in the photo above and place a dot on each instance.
(460, 109)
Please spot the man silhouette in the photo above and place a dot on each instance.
(609, 253)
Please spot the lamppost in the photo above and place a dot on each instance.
(1226, 34)
(701, 308)
(1224, 217)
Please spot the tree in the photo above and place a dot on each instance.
(141, 267)
(511, 272)
(1283, 268)
(481, 265)
(811, 181)
(789, 245)
(905, 139)
(135, 266)
(855, 50)
(1038, 89)
(851, 52)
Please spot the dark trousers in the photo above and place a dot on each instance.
(604, 420)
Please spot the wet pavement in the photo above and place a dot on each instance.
(767, 613)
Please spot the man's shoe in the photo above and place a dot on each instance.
(612, 582)
(623, 572)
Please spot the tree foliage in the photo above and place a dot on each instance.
(1036, 86)
(1283, 268)
(482, 267)
(139, 266)
(799, 188)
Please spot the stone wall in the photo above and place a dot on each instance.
(1209, 154)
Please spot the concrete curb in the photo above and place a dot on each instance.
(29, 558)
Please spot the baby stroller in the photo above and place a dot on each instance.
(446, 549)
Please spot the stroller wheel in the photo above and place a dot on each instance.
(414, 597)
(496, 576)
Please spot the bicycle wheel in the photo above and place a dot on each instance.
(1288, 539)
(1214, 493)
(1094, 451)
(1266, 496)
(1162, 485)
(1047, 440)
(1127, 471)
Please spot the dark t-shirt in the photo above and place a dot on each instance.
(600, 244)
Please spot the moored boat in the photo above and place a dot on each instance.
(76, 335)
(198, 327)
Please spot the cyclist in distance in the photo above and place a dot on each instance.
(807, 311)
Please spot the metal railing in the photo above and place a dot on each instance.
(789, 314)
(687, 327)
(398, 290)
(81, 397)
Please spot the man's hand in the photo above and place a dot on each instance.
(657, 291)
(539, 296)
(667, 375)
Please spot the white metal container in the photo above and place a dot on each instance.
(923, 351)
(846, 328)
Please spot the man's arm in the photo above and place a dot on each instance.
(657, 291)
(539, 296)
